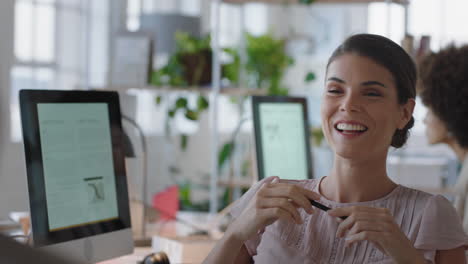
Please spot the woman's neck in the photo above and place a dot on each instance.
(357, 181)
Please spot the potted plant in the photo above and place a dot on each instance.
(266, 63)
(190, 65)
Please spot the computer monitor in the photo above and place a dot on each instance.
(282, 137)
(76, 173)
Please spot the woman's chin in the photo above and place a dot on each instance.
(351, 153)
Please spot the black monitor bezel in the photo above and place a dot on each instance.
(256, 102)
(34, 167)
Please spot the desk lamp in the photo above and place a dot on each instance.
(130, 152)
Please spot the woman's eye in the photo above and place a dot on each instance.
(334, 91)
(373, 94)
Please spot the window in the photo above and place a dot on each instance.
(55, 41)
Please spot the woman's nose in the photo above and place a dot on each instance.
(350, 103)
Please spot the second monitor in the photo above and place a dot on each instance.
(282, 137)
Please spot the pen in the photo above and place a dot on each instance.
(323, 207)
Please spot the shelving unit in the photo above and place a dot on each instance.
(214, 181)
(229, 91)
(315, 2)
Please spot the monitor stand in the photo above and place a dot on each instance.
(94, 248)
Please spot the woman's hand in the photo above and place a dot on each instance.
(378, 226)
(272, 201)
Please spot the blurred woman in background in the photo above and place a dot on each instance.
(444, 90)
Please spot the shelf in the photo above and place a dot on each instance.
(402, 2)
(230, 91)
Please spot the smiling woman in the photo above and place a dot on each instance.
(367, 107)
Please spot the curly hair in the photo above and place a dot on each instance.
(394, 58)
(443, 87)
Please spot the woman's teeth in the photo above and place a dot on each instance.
(351, 127)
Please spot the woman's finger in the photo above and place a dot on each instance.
(289, 191)
(365, 225)
(372, 236)
(376, 242)
(354, 218)
(306, 192)
(273, 214)
(282, 203)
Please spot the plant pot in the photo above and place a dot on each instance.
(197, 67)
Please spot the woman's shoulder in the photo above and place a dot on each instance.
(430, 220)
(421, 201)
(422, 198)
(408, 191)
(439, 225)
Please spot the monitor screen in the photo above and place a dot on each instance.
(76, 173)
(76, 148)
(281, 135)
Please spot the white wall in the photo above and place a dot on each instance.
(13, 188)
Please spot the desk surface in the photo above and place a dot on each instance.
(138, 254)
(175, 239)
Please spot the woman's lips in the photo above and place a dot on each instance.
(350, 129)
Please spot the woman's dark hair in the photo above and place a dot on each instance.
(444, 88)
(390, 55)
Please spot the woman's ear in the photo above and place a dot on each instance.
(406, 113)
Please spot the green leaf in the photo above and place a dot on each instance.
(171, 113)
(158, 100)
(183, 142)
(186, 43)
(181, 102)
(232, 69)
(184, 194)
(310, 77)
(202, 103)
(266, 62)
(307, 2)
(191, 115)
(225, 153)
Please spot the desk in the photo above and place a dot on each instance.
(186, 250)
(138, 254)
(176, 239)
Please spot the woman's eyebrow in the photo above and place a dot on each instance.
(374, 83)
(367, 83)
(335, 79)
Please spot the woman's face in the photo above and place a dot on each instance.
(436, 131)
(360, 110)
